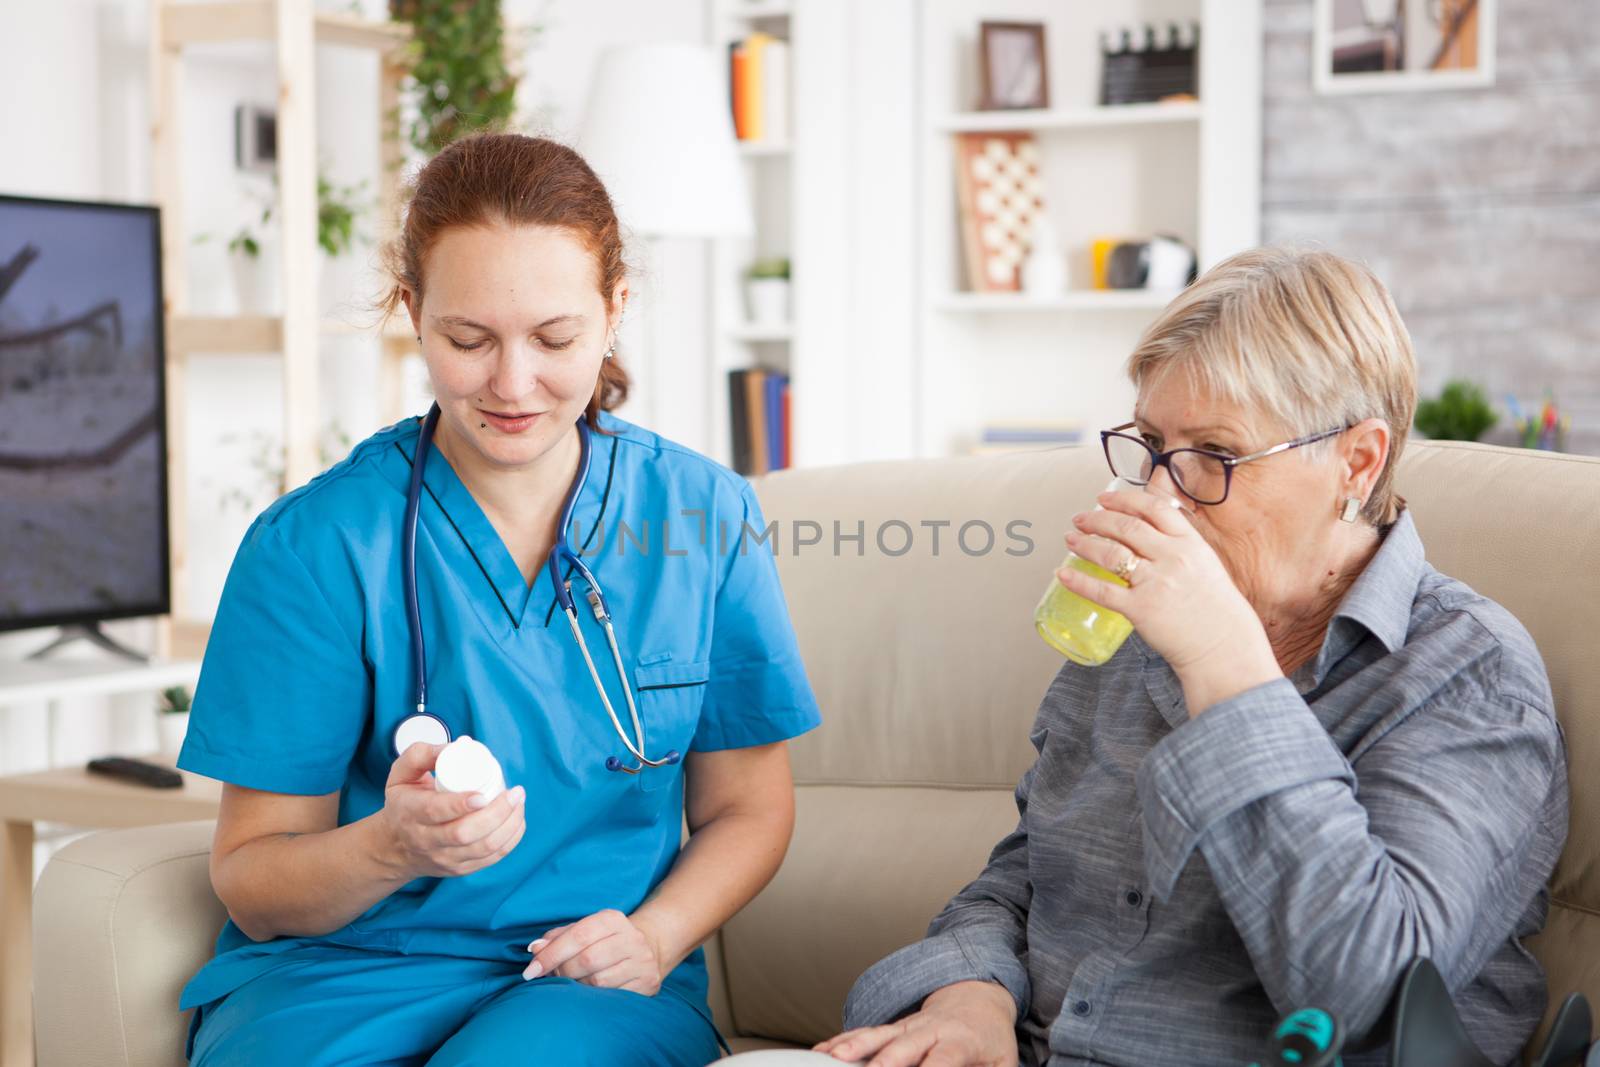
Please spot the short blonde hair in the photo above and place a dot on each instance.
(1309, 339)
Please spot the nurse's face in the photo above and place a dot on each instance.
(514, 330)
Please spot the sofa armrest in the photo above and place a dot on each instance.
(122, 919)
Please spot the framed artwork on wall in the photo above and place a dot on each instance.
(1363, 46)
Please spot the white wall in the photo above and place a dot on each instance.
(666, 340)
(879, 372)
(74, 73)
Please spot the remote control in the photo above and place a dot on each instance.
(138, 771)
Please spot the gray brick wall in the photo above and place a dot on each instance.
(1479, 208)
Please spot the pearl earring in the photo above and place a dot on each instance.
(1352, 508)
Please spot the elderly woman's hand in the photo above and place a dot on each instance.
(968, 1024)
(1179, 595)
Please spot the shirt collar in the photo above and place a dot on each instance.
(1381, 597)
(458, 516)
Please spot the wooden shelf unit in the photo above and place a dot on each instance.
(295, 29)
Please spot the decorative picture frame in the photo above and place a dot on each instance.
(1364, 46)
(255, 138)
(1013, 66)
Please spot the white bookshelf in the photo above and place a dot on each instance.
(1191, 169)
(1073, 118)
(762, 149)
(770, 166)
(888, 356)
(1073, 300)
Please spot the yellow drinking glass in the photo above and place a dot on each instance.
(1076, 627)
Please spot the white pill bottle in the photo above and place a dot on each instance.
(467, 766)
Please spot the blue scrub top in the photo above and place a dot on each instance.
(309, 669)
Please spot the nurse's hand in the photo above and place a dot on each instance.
(444, 835)
(607, 950)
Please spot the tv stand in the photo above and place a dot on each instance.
(90, 632)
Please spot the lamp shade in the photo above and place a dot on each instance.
(658, 132)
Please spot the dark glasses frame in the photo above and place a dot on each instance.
(1164, 459)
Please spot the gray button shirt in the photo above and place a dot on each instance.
(1173, 886)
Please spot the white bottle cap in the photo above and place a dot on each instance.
(467, 766)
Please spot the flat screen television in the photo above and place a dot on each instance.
(83, 443)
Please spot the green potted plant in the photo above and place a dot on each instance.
(460, 81)
(255, 274)
(254, 283)
(767, 291)
(337, 208)
(173, 721)
(254, 286)
(1459, 413)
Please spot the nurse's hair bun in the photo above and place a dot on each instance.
(524, 181)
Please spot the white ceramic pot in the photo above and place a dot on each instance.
(769, 300)
(172, 727)
(256, 285)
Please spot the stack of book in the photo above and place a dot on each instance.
(758, 83)
(997, 438)
(758, 406)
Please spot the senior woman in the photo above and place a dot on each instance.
(1316, 759)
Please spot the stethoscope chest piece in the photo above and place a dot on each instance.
(420, 727)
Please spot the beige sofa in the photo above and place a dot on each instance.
(928, 672)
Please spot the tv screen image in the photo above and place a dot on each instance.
(83, 479)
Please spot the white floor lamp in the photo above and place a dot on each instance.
(659, 133)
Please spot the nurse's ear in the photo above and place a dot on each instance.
(413, 310)
(619, 304)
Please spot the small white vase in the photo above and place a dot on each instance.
(172, 727)
(769, 300)
(1044, 271)
(256, 285)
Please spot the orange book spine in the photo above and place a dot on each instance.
(757, 44)
(746, 93)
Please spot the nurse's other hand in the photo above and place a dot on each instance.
(432, 834)
(961, 1025)
(606, 950)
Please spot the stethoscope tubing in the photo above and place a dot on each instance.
(560, 552)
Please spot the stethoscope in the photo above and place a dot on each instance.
(423, 725)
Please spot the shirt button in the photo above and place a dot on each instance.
(1081, 1008)
(1134, 898)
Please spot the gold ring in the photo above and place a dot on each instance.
(1125, 569)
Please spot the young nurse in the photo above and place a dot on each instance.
(374, 918)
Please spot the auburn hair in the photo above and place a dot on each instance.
(510, 178)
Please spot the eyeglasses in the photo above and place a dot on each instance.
(1202, 476)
